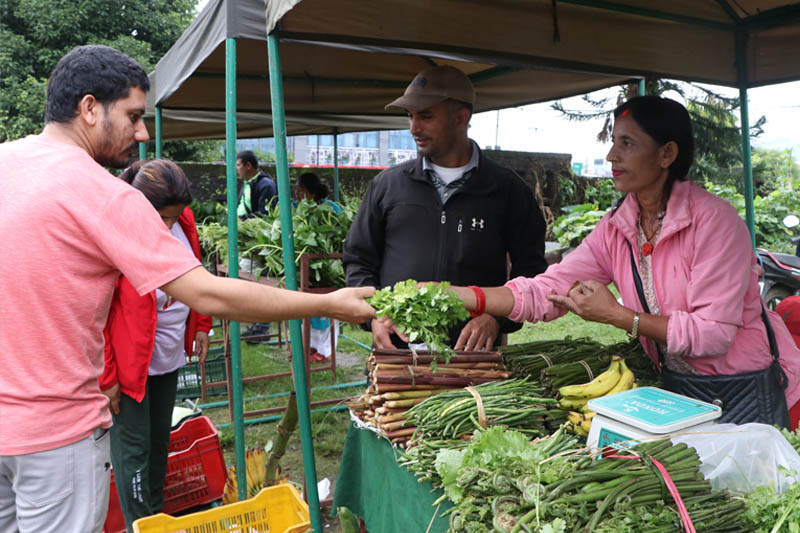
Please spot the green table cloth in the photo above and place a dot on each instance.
(384, 494)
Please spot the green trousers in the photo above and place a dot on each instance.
(140, 446)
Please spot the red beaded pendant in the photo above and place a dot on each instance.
(647, 249)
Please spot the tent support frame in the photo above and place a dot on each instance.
(159, 140)
(747, 165)
(295, 335)
(233, 261)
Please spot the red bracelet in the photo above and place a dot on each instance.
(480, 299)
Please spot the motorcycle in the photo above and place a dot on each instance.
(781, 272)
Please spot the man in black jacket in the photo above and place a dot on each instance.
(258, 188)
(449, 215)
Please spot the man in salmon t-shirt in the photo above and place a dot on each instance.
(69, 228)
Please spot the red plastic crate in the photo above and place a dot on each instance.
(196, 472)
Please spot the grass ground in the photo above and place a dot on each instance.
(329, 429)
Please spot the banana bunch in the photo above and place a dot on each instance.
(256, 469)
(617, 378)
(580, 423)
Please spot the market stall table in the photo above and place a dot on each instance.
(384, 494)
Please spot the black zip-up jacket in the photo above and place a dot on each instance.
(403, 231)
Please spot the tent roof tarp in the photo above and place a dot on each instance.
(348, 58)
(333, 85)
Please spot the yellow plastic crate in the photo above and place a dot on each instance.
(277, 509)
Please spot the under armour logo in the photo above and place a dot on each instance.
(477, 223)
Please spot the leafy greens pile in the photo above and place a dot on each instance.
(317, 229)
(424, 314)
(499, 472)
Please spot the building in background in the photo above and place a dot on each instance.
(363, 149)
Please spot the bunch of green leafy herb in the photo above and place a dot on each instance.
(771, 512)
(424, 314)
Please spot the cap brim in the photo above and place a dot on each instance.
(415, 102)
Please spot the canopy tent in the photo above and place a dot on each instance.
(350, 57)
(339, 87)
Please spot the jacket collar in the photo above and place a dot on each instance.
(677, 218)
(481, 181)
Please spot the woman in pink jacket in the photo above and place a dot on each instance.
(692, 252)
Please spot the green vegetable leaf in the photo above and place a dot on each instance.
(424, 314)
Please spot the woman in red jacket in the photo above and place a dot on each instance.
(148, 338)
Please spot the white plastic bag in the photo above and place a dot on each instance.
(743, 457)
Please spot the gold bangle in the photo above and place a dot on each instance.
(634, 334)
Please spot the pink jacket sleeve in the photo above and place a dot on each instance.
(589, 261)
(720, 270)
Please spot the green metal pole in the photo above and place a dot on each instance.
(747, 164)
(295, 333)
(158, 132)
(642, 88)
(233, 260)
(142, 151)
(336, 165)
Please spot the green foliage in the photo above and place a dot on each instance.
(567, 190)
(578, 222)
(318, 229)
(207, 212)
(769, 211)
(773, 169)
(602, 192)
(767, 511)
(194, 151)
(424, 314)
(35, 34)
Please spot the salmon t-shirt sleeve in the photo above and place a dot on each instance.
(138, 243)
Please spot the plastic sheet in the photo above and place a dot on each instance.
(742, 457)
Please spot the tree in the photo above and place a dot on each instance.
(773, 169)
(35, 34)
(718, 141)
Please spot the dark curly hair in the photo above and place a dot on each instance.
(101, 71)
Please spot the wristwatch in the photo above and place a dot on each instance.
(634, 333)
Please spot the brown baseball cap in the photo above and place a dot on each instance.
(436, 85)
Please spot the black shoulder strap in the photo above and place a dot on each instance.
(637, 280)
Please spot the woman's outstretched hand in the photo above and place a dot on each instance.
(590, 300)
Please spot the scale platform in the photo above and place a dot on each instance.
(645, 412)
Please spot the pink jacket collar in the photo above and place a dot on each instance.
(677, 218)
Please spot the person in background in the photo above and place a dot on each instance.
(148, 338)
(69, 229)
(691, 250)
(258, 188)
(309, 187)
(258, 192)
(451, 214)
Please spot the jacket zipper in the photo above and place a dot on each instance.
(442, 245)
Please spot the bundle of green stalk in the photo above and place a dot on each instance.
(420, 459)
(569, 362)
(530, 358)
(573, 492)
(401, 379)
(515, 403)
